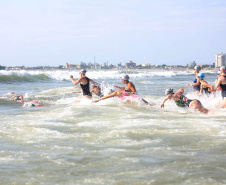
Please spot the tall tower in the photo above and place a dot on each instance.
(220, 60)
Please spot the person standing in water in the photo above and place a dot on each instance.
(218, 76)
(182, 101)
(196, 84)
(84, 83)
(221, 82)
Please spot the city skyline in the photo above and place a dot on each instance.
(164, 32)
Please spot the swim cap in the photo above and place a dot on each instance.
(197, 68)
(83, 71)
(126, 77)
(223, 68)
(201, 75)
(168, 91)
(218, 73)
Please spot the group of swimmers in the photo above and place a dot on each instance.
(199, 85)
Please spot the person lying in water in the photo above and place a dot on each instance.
(182, 101)
(19, 98)
(123, 92)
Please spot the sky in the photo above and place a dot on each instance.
(55, 32)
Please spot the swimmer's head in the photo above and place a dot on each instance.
(82, 71)
(197, 68)
(168, 91)
(223, 69)
(126, 77)
(218, 72)
(201, 76)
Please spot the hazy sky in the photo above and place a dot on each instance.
(53, 32)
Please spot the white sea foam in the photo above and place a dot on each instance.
(101, 74)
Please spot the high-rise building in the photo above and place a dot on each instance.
(220, 60)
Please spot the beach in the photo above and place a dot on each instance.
(113, 141)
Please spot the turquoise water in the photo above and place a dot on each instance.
(113, 141)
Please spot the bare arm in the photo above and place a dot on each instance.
(167, 98)
(218, 83)
(94, 82)
(122, 88)
(195, 84)
(75, 82)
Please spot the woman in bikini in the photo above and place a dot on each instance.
(182, 101)
(123, 92)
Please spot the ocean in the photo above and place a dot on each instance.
(113, 141)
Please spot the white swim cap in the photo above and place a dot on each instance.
(83, 71)
(197, 68)
(222, 68)
(126, 77)
(168, 91)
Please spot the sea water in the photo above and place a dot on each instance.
(113, 141)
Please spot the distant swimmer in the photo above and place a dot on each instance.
(182, 101)
(33, 103)
(84, 83)
(196, 84)
(204, 86)
(128, 90)
(19, 98)
(222, 83)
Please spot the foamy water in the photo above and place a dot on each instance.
(112, 141)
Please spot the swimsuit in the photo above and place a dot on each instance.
(128, 92)
(196, 88)
(85, 88)
(223, 89)
(182, 103)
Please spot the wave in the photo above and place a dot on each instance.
(28, 78)
(31, 76)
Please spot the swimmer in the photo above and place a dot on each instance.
(17, 97)
(182, 101)
(196, 84)
(84, 83)
(222, 83)
(33, 103)
(128, 90)
(218, 76)
(204, 86)
(97, 90)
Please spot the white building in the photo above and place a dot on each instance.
(220, 60)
